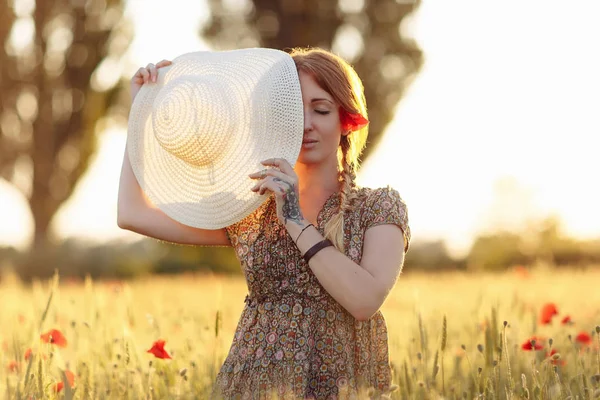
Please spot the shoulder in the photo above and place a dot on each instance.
(383, 205)
(381, 197)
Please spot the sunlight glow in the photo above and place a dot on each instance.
(348, 42)
(22, 33)
(16, 223)
(503, 96)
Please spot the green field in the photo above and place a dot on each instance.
(109, 326)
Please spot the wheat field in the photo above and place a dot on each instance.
(451, 335)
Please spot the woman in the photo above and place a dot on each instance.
(320, 255)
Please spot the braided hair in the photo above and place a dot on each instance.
(334, 75)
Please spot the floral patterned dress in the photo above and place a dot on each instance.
(293, 338)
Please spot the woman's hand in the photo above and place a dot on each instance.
(145, 75)
(283, 182)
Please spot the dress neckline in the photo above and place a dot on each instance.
(321, 214)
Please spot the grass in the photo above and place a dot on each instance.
(451, 335)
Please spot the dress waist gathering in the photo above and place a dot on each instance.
(288, 296)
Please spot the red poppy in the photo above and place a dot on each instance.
(533, 343)
(566, 320)
(13, 366)
(583, 338)
(521, 271)
(55, 337)
(351, 121)
(549, 310)
(28, 354)
(158, 349)
(70, 378)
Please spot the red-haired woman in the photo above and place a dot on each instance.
(320, 255)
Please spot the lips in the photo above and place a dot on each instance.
(306, 141)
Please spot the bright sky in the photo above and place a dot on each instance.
(509, 91)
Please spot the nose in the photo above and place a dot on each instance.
(307, 122)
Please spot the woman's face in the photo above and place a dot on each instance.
(322, 130)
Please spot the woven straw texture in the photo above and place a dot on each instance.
(208, 122)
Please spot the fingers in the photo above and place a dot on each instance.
(280, 163)
(272, 184)
(262, 174)
(163, 63)
(259, 184)
(271, 172)
(150, 72)
(274, 180)
(141, 76)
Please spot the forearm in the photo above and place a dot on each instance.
(130, 197)
(135, 212)
(353, 287)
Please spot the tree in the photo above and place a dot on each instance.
(367, 33)
(429, 256)
(56, 88)
(497, 252)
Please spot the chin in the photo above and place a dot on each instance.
(309, 157)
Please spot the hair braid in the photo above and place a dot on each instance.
(334, 229)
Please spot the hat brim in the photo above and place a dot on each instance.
(270, 125)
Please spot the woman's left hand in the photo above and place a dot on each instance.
(283, 182)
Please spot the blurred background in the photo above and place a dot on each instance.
(484, 116)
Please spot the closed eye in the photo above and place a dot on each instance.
(322, 112)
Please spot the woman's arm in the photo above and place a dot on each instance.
(360, 288)
(136, 213)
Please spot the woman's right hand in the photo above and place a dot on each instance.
(145, 75)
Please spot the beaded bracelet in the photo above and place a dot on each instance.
(302, 231)
(316, 248)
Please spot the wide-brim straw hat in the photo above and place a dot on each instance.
(196, 134)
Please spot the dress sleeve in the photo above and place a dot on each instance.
(385, 206)
(232, 233)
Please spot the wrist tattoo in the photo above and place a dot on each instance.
(291, 207)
